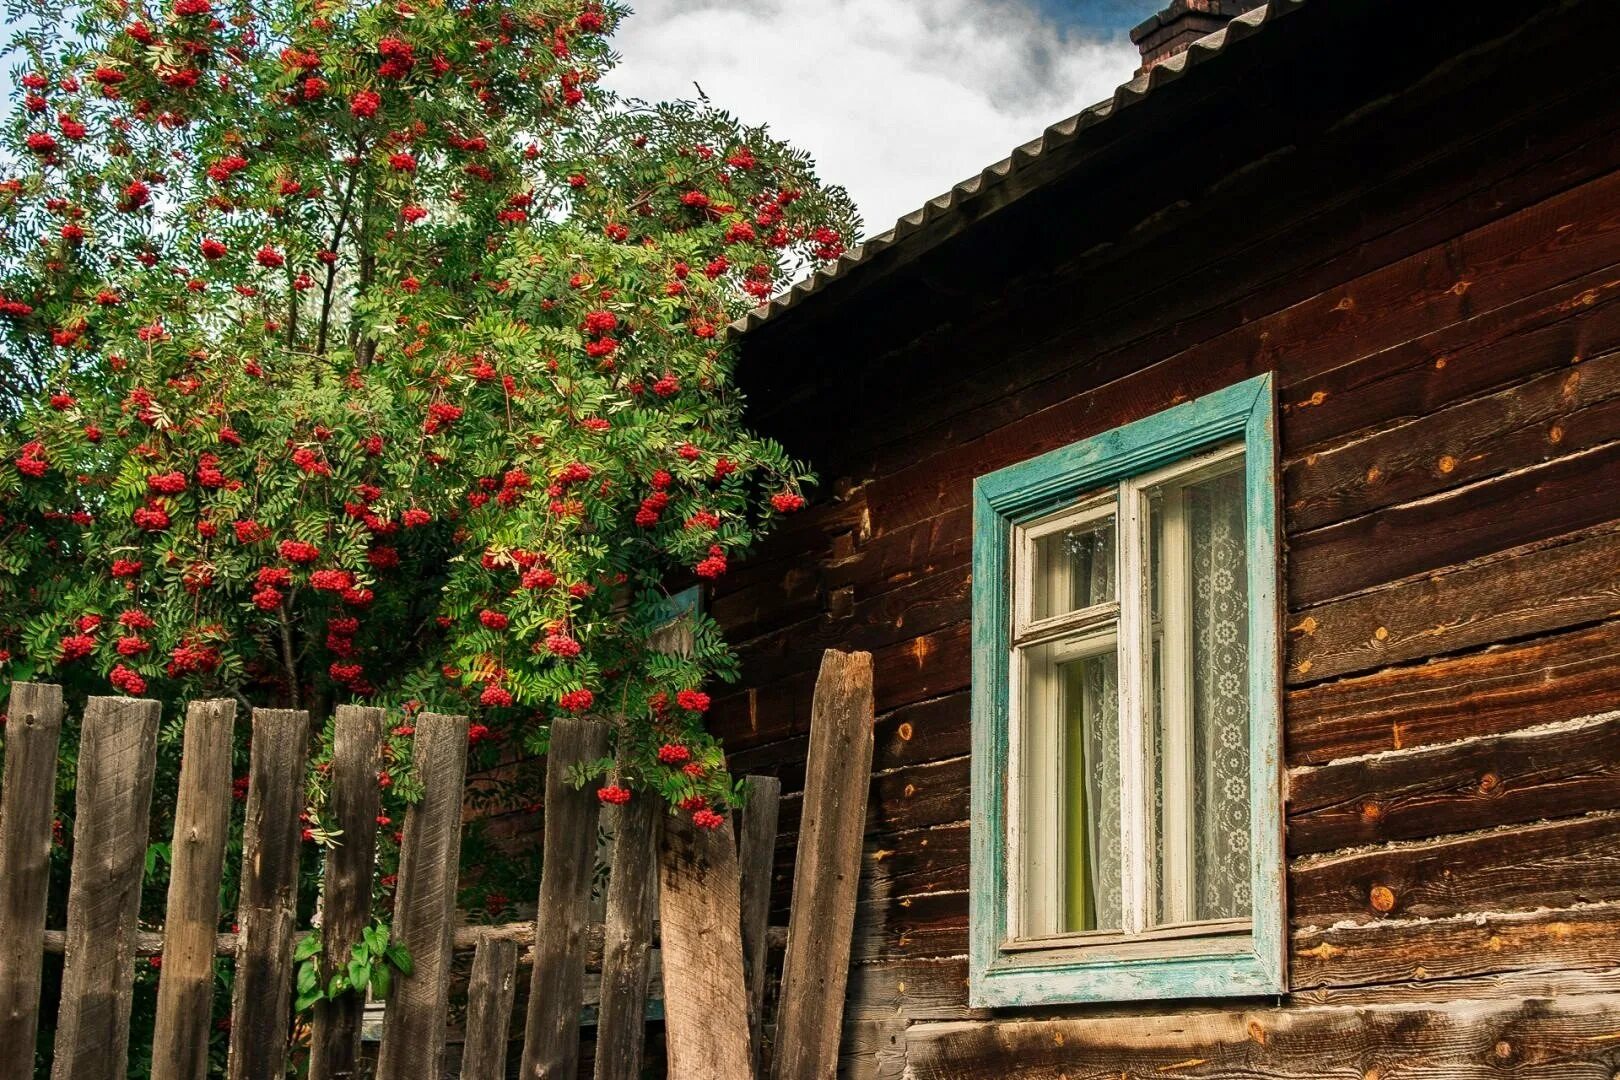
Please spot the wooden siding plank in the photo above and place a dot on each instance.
(117, 756)
(826, 870)
(1522, 593)
(202, 826)
(755, 856)
(1569, 1038)
(1545, 680)
(1504, 780)
(27, 803)
(268, 906)
(1555, 864)
(699, 907)
(1481, 519)
(490, 993)
(632, 907)
(414, 1033)
(356, 800)
(1438, 950)
(556, 994)
(1525, 424)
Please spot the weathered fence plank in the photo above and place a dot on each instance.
(117, 756)
(699, 906)
(756, 857)
(27, 801)
(414, 1023)
(267, 909)
(826, 870)
(334, 1049)
(490, 992)
(556, 985)
(202, 825)
(632, 905)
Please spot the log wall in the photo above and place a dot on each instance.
(1427, 253)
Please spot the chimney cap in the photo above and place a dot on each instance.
(1171, 30)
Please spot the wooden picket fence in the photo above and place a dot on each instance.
(689, 892)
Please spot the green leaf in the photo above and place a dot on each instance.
(400, 957)
(308, 946)
(307, 999)
(381, 980)
(359, 973)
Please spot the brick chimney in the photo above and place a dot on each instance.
(1172, 30)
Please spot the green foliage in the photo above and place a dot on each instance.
(372, 962)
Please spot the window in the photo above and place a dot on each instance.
(1126, 780)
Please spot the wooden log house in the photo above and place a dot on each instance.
(1227, 487)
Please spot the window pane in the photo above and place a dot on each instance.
(1198, 559)
(1070, 794)
(1074, 569)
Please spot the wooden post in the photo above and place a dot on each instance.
(414, 1021)
(489, 1009)
(27, 800)
(202, 824)
(632, 905)
(700, 935)
(334, 1048)
(117, 755)
(556, 985)
(826, 870)
(757, 856)
(268, 906)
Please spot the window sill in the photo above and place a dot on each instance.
(1224, 966)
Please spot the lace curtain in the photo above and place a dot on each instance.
(1220, 695)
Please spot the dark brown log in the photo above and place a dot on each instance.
(913, 927)
(556, 990)
(1460, 1040)
(1560, 413)
(1556, 864)
(756, 857)
(356, 800)
(1547, 680)
(705, 999)
(268, 908)
(117, 755)
(425, 902)
(1524, 592)
(1504, 780)
(826, 871)
(632, 909)
(202, 825)
(1469, 946)
(27, 803)
(1571, 493)
(490, 993)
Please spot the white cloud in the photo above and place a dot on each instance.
(896, 99)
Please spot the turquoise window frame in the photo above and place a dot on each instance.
(1030, 490)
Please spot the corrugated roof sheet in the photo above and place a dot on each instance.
(1058, 135)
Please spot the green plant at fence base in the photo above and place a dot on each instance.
(372, 962)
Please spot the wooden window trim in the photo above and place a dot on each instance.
(1229, 960)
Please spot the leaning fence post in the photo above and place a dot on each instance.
(757, 856)
(632, 905)
(117, 756)
(268, 905)
(334, 1045)
(826, 870)
(414, 1019)
(27, 799)
(202, 823)
(700, 937)
(556, 985)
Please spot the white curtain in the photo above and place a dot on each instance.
(1220, 691)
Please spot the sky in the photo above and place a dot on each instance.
(896, 99)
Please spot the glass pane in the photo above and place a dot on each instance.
(1074, 569)
(1198, 559)
(1069, 800)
